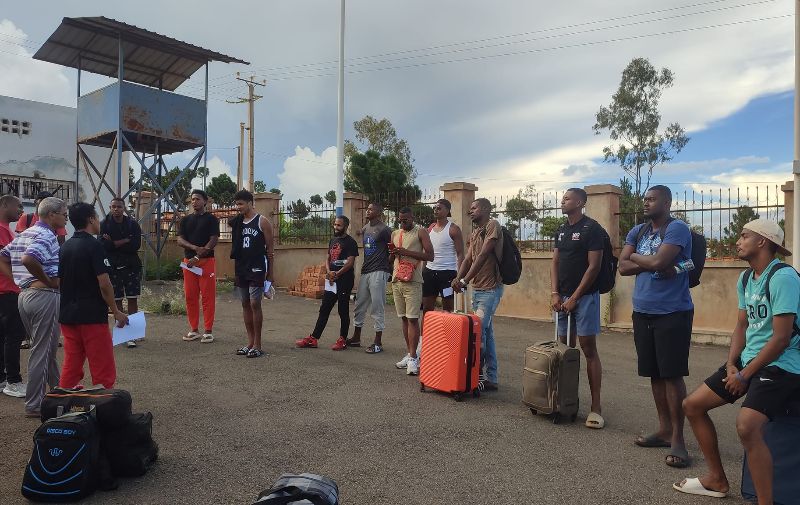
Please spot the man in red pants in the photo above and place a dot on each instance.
(86, 297)
(198, 234)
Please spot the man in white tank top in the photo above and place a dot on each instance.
(448, 252)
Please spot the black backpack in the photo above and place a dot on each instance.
(64, 464)
(748, 274)
(302, 489)
(607, 276)
(699, 249)
(511, 262)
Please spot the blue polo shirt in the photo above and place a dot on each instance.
(662, 296)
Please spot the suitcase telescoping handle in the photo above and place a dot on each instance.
(463, 297)
(569, 326)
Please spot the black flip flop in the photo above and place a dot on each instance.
(680, 460)
(353, 343)
(374, 349)
(651, 441)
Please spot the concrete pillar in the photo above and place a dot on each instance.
(602, 205)
(268, 205)
(461, 195)
(788, 213)
(355, 208)
(143, 203)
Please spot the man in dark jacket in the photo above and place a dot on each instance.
(122, 237)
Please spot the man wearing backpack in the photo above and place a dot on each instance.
(577, 258)
(763, 363)
(481, 268)
(662, 316)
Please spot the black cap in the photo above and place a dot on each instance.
(41, 195)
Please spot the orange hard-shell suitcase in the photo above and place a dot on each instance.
(451, 353)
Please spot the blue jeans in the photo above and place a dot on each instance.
(484, 303)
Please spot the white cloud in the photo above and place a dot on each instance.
(307, 173)
(23, 77)
(216, 166)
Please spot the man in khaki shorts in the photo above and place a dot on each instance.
(410, 246)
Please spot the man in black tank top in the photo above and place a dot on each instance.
(252, 250)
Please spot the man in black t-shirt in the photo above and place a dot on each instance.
(574, 292)
(122, 237)
(198, 234)
(86, 297)
(342, 253)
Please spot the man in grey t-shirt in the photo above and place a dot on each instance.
(375, 272)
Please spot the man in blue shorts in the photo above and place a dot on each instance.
(574, 292)
(763, 363)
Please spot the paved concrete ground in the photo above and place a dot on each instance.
(229, 426)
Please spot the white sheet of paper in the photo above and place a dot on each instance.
(194, 270)
(267, 284)
(447, 292)
(134, 329)
(330, 286)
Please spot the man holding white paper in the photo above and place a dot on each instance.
(86, 297)
(252, 252)
(339, 280)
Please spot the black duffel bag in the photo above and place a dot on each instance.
(302, 489)
(130, 450)
(112, 406)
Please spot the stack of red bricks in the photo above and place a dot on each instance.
(310, 283)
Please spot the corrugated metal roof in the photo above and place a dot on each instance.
(149, 58)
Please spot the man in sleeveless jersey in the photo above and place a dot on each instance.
(410, 245)
(252, 252)
(763, 363)
(448, 253)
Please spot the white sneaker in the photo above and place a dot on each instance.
(403, 362)
(2, 385)
(413, 366)
(131, 344)
(17, 389)
(207, 338)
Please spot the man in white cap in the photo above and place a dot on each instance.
(763, 363)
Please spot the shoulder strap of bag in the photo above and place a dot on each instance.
(778, 266)
(28, 219)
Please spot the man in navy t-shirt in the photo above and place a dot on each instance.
(662, 315)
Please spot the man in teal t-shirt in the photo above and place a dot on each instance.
(763, 363)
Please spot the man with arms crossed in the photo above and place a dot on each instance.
(122, 237)
(252, 252)
(11, 330)
(410, 242)
(32, 260)
(763, 363)
(662, 316)
(577, 256)
(375, 271)
(198, 234)
(342, 253)
(86, 297)
(481, 268)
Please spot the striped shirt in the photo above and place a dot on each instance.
(40, 242)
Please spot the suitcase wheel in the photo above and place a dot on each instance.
(422, 387)
(476, 393)
(573, 418)
(556, 418)
(458, 397)
(533, 411)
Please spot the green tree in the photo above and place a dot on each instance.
(632, 121)
(315, 200)
(548, 226)
(275, 191)
(221, 189)
(259, 186)
(378, 176)
(379, 136)
(298, 210)
(743, 215)
(180, 193)
(630, 207)
(330, 197)
(518, 209)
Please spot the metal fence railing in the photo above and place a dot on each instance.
(532, 217)
(300, 222)
(718, 213)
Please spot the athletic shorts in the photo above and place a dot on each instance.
(585, 319)
(127, 282)
(662, 343)
(407, 299)
(770, 392)
(249, 287)
(434, 281)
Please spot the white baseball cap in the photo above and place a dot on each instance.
(771, 231)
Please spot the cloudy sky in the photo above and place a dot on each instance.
(499, 93)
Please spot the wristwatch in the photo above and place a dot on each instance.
(464, 282)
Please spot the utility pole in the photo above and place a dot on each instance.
(240, 155)
(340, 125)
(795, 246)
(251, 98)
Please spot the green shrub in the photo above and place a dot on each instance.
(170, 301)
